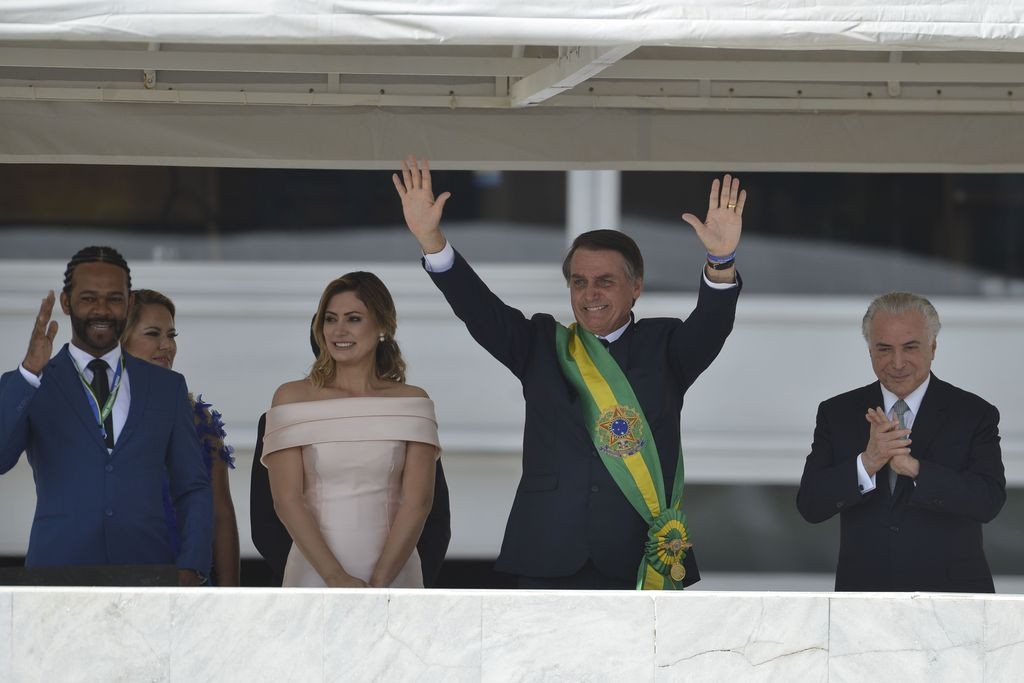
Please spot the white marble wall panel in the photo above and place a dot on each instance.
(906, 637)
(402, 636)
(1004, 638)
(568, 636)
(171, 635)
(6, 664)
(90, 635)
(247, 635)
(761, 637)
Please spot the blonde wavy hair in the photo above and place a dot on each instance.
(144, 297)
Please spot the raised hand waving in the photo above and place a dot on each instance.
(421, 210)
(720, 231)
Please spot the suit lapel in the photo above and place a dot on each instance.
(927, 424)
(61, 370)
(138, 381)
(622, 347)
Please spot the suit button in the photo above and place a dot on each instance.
(108, 512)
(894, 529)
(841, 504)
(109, 468)
(595, 488)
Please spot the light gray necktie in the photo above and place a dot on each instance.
(899, 409)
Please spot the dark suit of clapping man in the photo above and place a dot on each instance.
(910, 463)
(102, 430)
(572, 524)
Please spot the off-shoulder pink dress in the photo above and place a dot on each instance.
(353, 455)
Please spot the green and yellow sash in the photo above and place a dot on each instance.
(626, 445)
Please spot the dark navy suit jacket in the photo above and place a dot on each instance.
(568, 508)
(926, 534)
(98, 508)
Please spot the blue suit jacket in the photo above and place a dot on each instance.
(98, 508)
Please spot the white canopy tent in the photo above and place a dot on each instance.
(921, 85)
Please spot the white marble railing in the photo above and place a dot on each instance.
(367, 635)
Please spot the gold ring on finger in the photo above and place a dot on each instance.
(731, 205)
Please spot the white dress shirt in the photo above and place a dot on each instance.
(913, 401)
(119, 414)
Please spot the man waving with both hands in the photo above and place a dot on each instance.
(599, 504)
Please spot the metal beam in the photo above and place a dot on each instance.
(578, 64)
(928, 105)
(846, 72)
(584, 63)
(247, 97)
(270, 62)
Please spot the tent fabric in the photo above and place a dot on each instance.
(813, 85)
(992, 25)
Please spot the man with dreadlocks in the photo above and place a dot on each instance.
(102, 430)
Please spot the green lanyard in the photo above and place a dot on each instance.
(102, 413)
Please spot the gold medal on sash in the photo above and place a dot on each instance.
(678, 572)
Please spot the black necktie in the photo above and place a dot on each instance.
(101, 389)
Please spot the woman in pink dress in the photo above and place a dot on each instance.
(351, 448)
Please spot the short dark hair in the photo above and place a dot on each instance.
(96, 255)
(608, 240)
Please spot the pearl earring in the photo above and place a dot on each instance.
(380, 337)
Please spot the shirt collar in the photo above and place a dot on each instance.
(83, 358)
(913, 400)
(614, 335)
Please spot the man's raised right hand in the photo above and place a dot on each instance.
(40, 346)
(421, 210)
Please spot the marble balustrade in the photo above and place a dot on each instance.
(91, 634)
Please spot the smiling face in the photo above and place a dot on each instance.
(601, 290)
(901, 350)
(350, 332)
(153, 337)
(97, 303)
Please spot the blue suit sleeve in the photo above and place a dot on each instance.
(190, 488)
(15, 396)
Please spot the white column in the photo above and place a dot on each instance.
(592, 201)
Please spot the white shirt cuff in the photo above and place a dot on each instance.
(716, 285)
(34, 380)
(440, 261)
(864, 480)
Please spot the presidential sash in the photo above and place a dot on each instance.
(626, 446)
